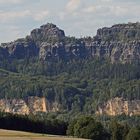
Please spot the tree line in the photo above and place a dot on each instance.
(82, 127)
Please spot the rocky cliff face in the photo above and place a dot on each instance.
(47, 32)
(120, 32)
(124, 52)
(119, 43)
(20, 49)
(27, 106)
(119, 106)
(113, 107)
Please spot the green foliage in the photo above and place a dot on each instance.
(134, 134)
(87, 127)
(118, 131)
(79, 85)
(32, 123)
(81, 126)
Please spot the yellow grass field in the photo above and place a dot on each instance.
(18, 135)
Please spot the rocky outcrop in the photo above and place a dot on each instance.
(14, 106)
(120, 32)
(27, 106)
(48, 32)
(52, 52)
(119, 43)
(127, 52)
(59, 51)
(20, 49)
(113, 107)
(119, 106)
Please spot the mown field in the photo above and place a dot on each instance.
(17, 135)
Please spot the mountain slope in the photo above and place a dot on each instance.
(65, 74)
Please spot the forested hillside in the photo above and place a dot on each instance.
(80, 85)
(77, 75)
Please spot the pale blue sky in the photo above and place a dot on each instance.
(76, 17)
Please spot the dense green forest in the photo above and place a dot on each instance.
(79, 85)
(90, 127)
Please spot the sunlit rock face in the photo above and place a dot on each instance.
(15, 106)
(33, 105)
(119, 106)
(27, 106)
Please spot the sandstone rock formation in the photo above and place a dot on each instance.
(27, 106)
(119, 43)
(113, 107)
(47, 32)
(14, 106)
(120, 32)
(119, 106)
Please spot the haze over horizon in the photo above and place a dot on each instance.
(76, 17)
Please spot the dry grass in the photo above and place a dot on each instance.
(17, 135)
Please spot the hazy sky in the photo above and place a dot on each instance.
(76, 17)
